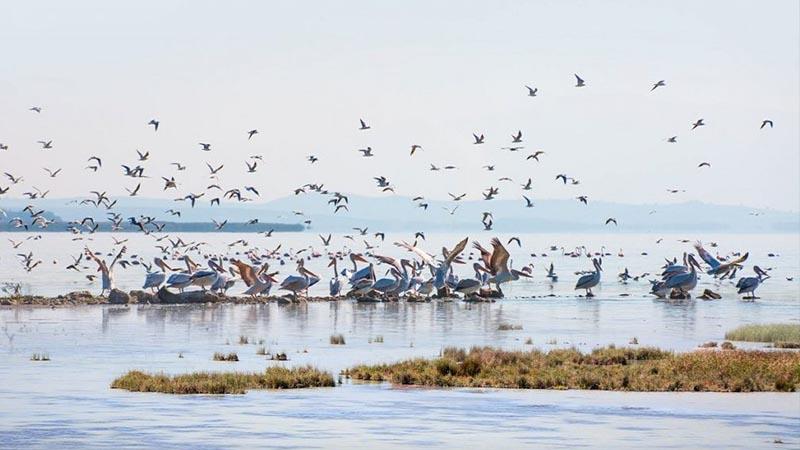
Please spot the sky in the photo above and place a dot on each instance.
(419, 72)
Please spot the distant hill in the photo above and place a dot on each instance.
(396, 213)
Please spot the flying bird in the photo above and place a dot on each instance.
(660, 83)
(532, 91)
(154, 123)
(610, 220)
(251, 133)
(579, 81)
(766, 122)
(699, 123)
(704, 164)
(364, 125)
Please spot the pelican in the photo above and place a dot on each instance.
(590, 280)
(295, 283)
(684, 282)
(496, 263)
(362, 273)
(335, 285)
(204, 278)
(750, 284)
(154, 280)
(718, 268)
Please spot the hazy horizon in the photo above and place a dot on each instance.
(420, 73)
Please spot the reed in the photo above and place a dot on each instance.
(40, 357)
(230, 357)
(224, 383)
(767, 332)
(337, 339)
(508, 327)
(644, 369)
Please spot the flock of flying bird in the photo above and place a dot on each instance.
(419, 275)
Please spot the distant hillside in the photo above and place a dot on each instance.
(396, 213)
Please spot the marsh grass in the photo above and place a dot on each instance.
(508, 327)
(40, 357)
(244, 340)
(224, 383)
(769, 332)
(337, 339)
(529, 341)
(261, 351)
(230, 357)
(643, 369)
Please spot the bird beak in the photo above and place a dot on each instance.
(358, 257)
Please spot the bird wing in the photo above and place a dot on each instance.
(246, 272)
(710, 260)
(427, 258)
(457, 250)
(499, 256)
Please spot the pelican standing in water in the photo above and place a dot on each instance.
(590, 280)
(335, 285)
(750, 284)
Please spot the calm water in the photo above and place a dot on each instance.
(67, 402)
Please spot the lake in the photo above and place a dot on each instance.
(66, 402)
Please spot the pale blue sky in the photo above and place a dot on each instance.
(423, 72)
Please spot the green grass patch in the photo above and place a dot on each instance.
(224, 382)
(618, 369)
(768, 332)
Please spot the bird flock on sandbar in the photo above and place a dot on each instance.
(354, 273)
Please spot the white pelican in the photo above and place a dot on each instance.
(750, 284)
(590, 280)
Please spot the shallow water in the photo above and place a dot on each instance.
(67, 401)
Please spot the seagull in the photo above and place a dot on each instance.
(535, 155)
(478, 139)
(251, 133)
(766, 122)
(532, 91)
(516, 138)
(528, 202)
(312, 159)
(154, 123)
(364, 125)
(611, 219)
(206, 147)
(143, 156)
(251, 168)
(46, 144)
(704, 164)
(51, 172)
(178, 166)
(457, 197)
(133, 192)
(451, 211)
(366, 152)
(699, 123)
(219, 225)
(527, 186)
(213, 170)
(583, 199)
(660, 83)
(579, 81)
(672, 139)
(414, 148)
(37, 109)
